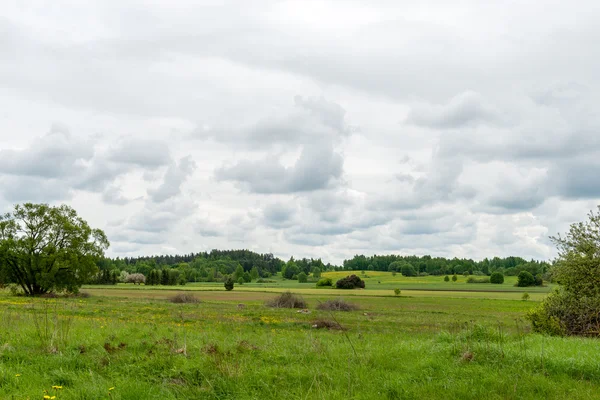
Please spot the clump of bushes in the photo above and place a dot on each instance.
(497, 278)
(324, 282)
(526, 278)
(472, 279)
(287, 300)
(350, 282)
(182, 298)
(337, 305)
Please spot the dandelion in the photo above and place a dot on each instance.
(46, 396)
(17, 375)
(56, 387)
(111, 388)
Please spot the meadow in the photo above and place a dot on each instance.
(128, 342)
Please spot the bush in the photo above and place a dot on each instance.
(135, 278)
(337, 305)
(525, 279)
(408, 270)
(181, 298)
(324, 282)
(350, 282)
(454, 278)
(446, 278)
(302, 277)
(472, 279)
(228, 283)
(240, 280)
(497, 278)
(525, 296)
(397, 292)
(287, 300)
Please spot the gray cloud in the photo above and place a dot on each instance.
(318, 167)
(146, 153)
(175, 176)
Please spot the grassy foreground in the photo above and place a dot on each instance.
(145, 347)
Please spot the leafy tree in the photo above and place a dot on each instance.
(136, 278)
(525, 279)
(350, 282)
(525, 296)
(239, 273)
(302, 278)
(164, 277)
(446, 278)
(574, 309)
(408, 270)
(228, 283)
(497, 278)
(254, 273)
(246, 277)
(290, 270)
(46, 249)
(454, 278)
(316, 272)
(240, 280)
(397, 292)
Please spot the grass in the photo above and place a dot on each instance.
(395, 347)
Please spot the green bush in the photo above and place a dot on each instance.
(497, 278)
(350, 282)
(525, 279)
(302, 277)
(446, 278)
(454, 278)
(397, 292)
(525, 296)
(228, 283)
(324, 282)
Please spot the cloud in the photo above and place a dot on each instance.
(466, 108)
(318, 167)
(145, 153)
(175, 176)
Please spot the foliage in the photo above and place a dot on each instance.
(574, 309)
(135, 278)
(397, 292)
(302, 278)
(454, 278)
(46, 249)
(408, 270)
(446, 278)
(497, 278)
(525, 296)
(287, 300)
(228, 283)
(472, 279)
(525, 279)
(337, 305)
(324, 282)
(350, 282)
(183, 298)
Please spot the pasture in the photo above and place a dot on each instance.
(133, 343)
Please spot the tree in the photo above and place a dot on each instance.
(228, 283)
(574, 309)
(48, 249)
(446, 278)
(302, 278)
(497, 278)
(136, 278)
(408, 270)
(316, 272)
(254, 273)
(397, 292)
(525, 279)
(454, 278)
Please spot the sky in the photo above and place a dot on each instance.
(307, 128)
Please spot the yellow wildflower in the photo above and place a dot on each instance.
(111, 388)
(46, 396)
(17, 375)
(56, 387)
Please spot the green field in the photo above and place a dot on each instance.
(437, 342)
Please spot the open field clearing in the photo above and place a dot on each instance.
(143, 346)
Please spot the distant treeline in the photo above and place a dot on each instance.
(246, 265)
(443, 266)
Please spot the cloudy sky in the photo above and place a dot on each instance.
(318, 129)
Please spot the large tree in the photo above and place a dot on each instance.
(48, 249)
(574, 309)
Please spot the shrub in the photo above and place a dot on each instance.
(135, 278)
(525, 296)
(181, 298)
(287, 300)
(466, 273)
(240, 280)
(323, 323)
(324, 282)
(302, 277)
(337, 305)
(497, 278)
(397, 292)
(228, 283)
(525, 279)
(408, 270)
(446, 278)
(472, 279)
(454, 278)
(350, 282)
